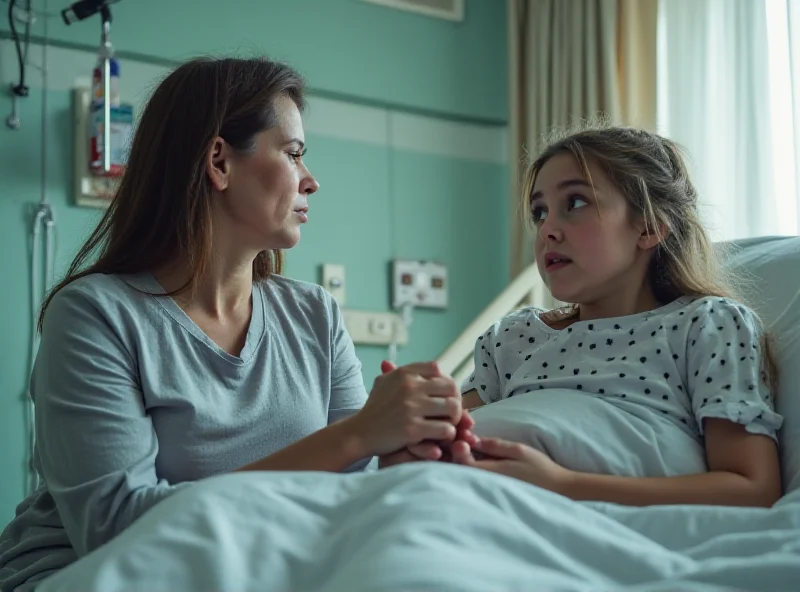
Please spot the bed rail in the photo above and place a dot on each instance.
(525, 290)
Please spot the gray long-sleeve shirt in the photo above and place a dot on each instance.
(134, 401)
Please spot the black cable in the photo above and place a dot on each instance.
(20, 90)
(28, 27)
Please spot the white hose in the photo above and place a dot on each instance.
(43, 216)
(406, 314)
(50, 253)
(36, 293)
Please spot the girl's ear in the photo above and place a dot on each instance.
(649, 237)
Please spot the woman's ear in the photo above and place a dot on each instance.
(218, 164)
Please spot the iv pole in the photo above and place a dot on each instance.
(107, 51)
(43, 218)
(79, 11)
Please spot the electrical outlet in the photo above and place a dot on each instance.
(381, 327)
(422, 284)
(333, 281)
(375, 328)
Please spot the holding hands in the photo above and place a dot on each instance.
(431, 447)
(442, 431)
(415, 409)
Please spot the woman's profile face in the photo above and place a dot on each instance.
(263, 198)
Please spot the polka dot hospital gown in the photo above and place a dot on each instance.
(691, 359)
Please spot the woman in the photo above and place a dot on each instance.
(181, 353)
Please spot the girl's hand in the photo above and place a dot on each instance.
(464, 430)
(407, 406)
(513, 460)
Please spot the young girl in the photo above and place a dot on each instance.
(654, 333)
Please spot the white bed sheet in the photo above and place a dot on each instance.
(436, 527)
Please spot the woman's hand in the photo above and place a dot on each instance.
(513, 460)
(429, 450)
(407, 406)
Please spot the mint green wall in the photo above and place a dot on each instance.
(432, 208)
(343, 46)
(376, 202)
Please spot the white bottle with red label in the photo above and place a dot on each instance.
(121, 121)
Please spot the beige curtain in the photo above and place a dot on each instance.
(571, 60)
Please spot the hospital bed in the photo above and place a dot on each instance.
(431, 526)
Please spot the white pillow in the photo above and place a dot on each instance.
(771, 266)
(590, 434)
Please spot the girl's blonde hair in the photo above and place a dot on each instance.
(651, 173)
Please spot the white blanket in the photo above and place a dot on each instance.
(431, 526)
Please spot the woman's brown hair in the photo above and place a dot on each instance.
(162, 207)
(651, 173)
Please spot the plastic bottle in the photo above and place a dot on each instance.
(98, 88)
(121, 120)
